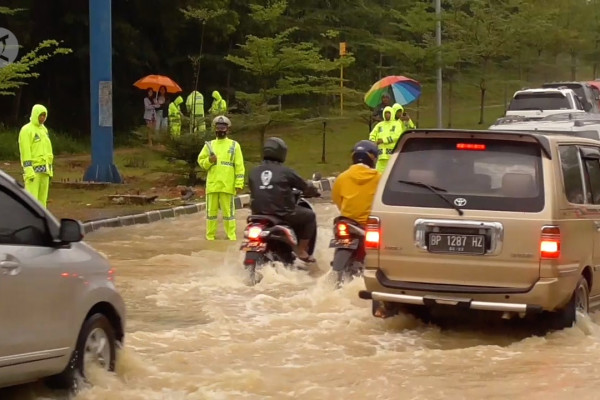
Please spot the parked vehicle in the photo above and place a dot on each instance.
(539, 103)
(588, 95)
(596, 90)
(60, 310)
(348, 242)
(582, 125)
(268, 239)
(500, 221)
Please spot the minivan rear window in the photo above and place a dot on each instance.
(473, 174)
(539, 101)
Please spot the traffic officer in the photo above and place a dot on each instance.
(175, 117)
(195, 107)
(219, 106)
(36, 154)
(384, 135)
(223, 160)
(402, 118)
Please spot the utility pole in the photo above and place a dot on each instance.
(438, 42)
(342, 54)
(103, 168)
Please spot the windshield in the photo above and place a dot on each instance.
(577, 88)
(475, 174)
(539, 101)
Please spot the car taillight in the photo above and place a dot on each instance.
(372, 233)
(470, 146)
(254, 232)
(342, 230)
(550, 242)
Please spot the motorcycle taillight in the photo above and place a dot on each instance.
(341, 230)
(253, 232)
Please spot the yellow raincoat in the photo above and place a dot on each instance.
(353, 192)
(36, 155)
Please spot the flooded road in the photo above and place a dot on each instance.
(196, 331)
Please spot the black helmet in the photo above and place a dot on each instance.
(275, 149)
(365, 152)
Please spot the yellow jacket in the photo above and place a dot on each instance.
(35, 146)
(228, 173)
(353, 192)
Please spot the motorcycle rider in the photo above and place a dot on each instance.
(354, 189)
(271, 185)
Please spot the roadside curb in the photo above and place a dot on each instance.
(241, 201)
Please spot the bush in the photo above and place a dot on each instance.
(186, 148)
(61, 144)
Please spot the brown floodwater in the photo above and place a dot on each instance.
(195, 330)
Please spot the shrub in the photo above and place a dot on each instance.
(61, 144)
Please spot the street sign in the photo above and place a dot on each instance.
(342, 48)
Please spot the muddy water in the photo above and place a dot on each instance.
(196, 331)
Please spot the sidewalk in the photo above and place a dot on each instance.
(241, 201)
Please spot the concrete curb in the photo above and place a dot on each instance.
(147, 217)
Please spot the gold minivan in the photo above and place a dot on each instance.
(502, 221)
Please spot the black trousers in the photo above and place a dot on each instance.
(303, 221)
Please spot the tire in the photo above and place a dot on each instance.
(580, 301)
(97, 334)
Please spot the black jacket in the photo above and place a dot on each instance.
(271, 185)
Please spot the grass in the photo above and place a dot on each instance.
(147, 171)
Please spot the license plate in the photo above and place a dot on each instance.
(452, 243)
(344, 243)
(253, 246)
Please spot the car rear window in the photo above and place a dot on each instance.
(472, 174)
(539, 101)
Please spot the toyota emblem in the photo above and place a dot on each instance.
(460, 202)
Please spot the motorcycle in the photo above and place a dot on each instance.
(349, 254)
(268, 239)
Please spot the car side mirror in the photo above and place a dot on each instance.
(71, 231)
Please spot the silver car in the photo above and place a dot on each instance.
(59, 307)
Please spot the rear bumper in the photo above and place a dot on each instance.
(464, 303)
(546, 294)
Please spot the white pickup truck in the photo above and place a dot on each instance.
(582, 125)
(539, 103)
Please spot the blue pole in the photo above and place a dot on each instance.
(103, 168)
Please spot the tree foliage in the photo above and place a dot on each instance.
(262, 51)
(15, 75)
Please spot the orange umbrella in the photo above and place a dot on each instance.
(156, 81)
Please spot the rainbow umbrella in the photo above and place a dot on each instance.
(402, 89)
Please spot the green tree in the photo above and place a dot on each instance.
(281, 67)
(14, 75)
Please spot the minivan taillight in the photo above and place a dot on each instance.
(372, 233)
(550, 242)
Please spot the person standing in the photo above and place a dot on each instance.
(223, 160)
(376, 116)
(195, 108)
(150, 107)
(402, 118)
(37, 158)
(219, 105)
(385, 135)
(162, 100)
(175, 117)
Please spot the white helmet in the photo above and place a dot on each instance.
(221, 119)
